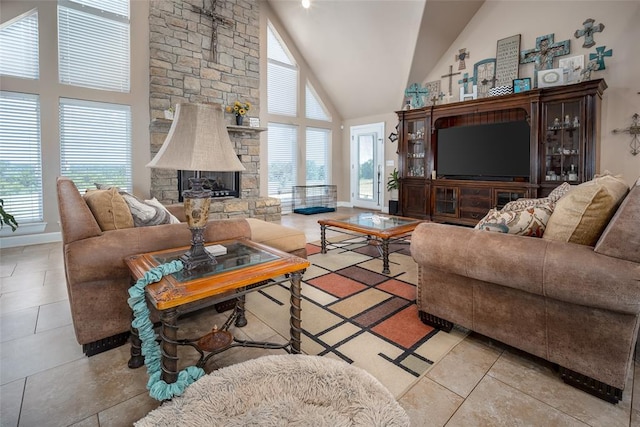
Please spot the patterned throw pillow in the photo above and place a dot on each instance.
(530, 221)
(554, 196)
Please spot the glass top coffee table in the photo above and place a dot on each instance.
(379, 229)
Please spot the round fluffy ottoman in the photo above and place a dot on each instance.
(286, 390)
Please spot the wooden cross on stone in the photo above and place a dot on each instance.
(588, 32)
(450, 75)
(216, 19)
(543, 54)
(416, 92)
(461, 56)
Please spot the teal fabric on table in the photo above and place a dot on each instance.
(158, 388)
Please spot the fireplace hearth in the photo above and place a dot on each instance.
(221, 184)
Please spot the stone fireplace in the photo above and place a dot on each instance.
(185, 67)
(221, 184)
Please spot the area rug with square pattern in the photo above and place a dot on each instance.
(353, 312)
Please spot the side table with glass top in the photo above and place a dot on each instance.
(246, 267)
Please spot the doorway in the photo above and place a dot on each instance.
(367, 169)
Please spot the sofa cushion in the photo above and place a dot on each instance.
(277, 236)
(554, 196)
(583, 213)
(530, 221)
(621, 238)
(109, 209)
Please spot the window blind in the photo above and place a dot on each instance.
(19, 46)
(93, 44)
(315, 109)
(282, 149)
(317, 156)
(282, 78)
(95, 143)
(20, 158)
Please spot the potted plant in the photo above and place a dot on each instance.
(6, 218)
(393, 184)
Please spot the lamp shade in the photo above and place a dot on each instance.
(198, 140)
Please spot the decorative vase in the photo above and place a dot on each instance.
(239, 119)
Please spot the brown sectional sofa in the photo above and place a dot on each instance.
(575, 305)
(98, 279)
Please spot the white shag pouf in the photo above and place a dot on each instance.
(283, 390)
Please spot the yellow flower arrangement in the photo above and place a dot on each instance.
(239, 108)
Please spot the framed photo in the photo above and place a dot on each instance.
(572, 67)
(521, 85)
(552, 77)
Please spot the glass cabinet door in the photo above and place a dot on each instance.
(563, 142)
(416, 149)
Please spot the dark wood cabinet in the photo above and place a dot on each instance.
(564, 139)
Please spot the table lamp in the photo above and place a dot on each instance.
(198, 140)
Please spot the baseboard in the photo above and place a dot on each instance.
(30, 239)
(345, 204)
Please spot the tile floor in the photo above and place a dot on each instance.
(45, 380)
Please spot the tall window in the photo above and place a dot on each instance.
(95, 143)
(282, 78)
(317, 156)
(282, 147)
(20, 158)
(93, 44)
(294, 133)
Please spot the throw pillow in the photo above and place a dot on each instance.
(582, 214)
(144, 213)
(531, 221)
(554, 196)
(109, 209)
(155, 202)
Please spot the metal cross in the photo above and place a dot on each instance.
(450, 75)
(461, 56)
(416, 92)
(633, 130)
(588, 32)
(216, 19)
(599, 56)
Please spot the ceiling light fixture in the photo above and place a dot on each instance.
(306, 4)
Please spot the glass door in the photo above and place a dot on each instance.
(563, 142)
(366, 166)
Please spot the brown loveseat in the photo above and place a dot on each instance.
(574, 305)
(98, 279)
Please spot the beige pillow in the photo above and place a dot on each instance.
(109, 209)
(582, 214)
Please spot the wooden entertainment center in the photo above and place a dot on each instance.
(563, 147)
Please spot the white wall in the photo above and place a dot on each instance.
(499, 19)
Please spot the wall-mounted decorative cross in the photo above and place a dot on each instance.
(416, 92)
(599, 56)
(461, 56)
(465, 80)
(634, 131)
(450, 75)
(588, 32)
(543, 54)
(216, 19)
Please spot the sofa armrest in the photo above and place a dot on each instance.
(177, 210)
(102, 258)
(564, 271)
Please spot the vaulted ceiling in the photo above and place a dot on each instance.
(365, 53)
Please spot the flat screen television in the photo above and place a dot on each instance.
(493, 151)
